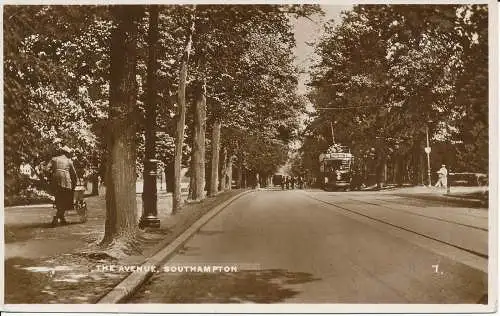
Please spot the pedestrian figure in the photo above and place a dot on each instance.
(442, 177)
(282, 182)
(80, 188)
(40, 171)
(300, 182)
(356, 181)
(63, 182)
(26, 171)
(292, 181)
(287, 182)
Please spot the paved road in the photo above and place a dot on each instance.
(324, 247)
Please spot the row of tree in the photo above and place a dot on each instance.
(388, 75)
(203, 84)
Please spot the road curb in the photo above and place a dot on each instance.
(452, 199)
(133, 281)
(44, 205)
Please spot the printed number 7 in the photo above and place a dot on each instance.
(436, 266)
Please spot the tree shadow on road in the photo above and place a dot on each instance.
(20, 284)
(62, 280)
(249, 286)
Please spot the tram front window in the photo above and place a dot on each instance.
(334, 165)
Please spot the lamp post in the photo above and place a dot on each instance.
(428, 152)
(149, 216)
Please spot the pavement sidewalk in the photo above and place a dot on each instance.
(468, 196)
(56, 264)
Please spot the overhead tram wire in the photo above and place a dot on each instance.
(352, 107)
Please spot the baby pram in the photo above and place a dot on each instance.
(79, 204)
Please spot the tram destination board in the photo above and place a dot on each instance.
(337, 156)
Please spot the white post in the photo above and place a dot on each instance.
(428, 151)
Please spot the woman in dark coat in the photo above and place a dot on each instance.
(63, 182)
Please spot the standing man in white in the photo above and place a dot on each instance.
(442, 177)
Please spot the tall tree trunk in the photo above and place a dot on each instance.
(149, 189)
(394, 170)
(121, 207)
(192, 182)
(239, 184)
(229, 168)
(381, 172)
(408, 168)
(365, 171)
(169, 180)
(399, 172)
(223, 170)
(422, 169)
(198, 152)
(245, 177)
(385, 172)
(214, 179)
(181, 120)
(414, 161)
(95, 184)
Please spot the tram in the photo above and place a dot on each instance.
(336, 165)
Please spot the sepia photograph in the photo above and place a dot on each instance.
(292, 154)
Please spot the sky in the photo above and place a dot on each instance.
(307, 31)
